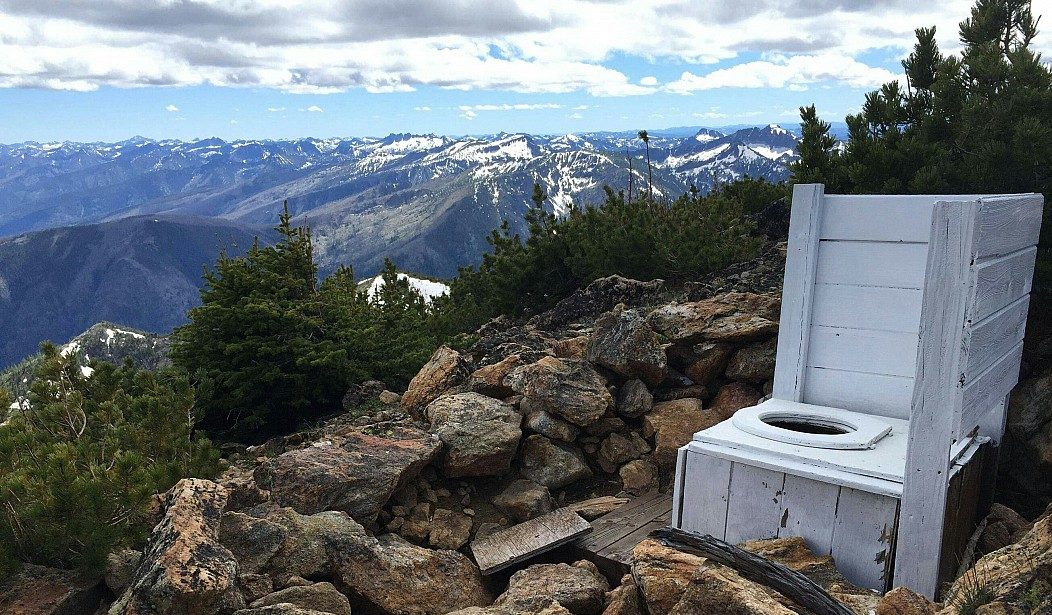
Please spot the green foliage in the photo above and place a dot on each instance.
(80, 463)
(271, 348)
(642, 239)
(977, 123)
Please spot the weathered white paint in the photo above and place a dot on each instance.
(889, 353)
(809, 511)
(869, 393)
(994, 336)
(705, 511)
(860, 431)
(867, 307)
(1002, 280)
(754, 508)
(866, 263)
(864, 537)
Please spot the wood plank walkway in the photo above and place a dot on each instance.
(609, 545)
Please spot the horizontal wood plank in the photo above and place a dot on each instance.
(867, 307)
(891, 353)
(906, 218)
(525, 540)
(1006, 224)
(989, 389)
(869, 393)
(1001, 281)
(993, 337)
(863, 263)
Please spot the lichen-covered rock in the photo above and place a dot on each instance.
(718, 589)
(579, 588)
(253, 541)
(395, 576)
(254, 586)
(321, 597)
(450, 529)
(357, 477)
(523, 500)
(733, 397)
(732, 317)
(903, 601)
(443, 371)
(481, 434)
(617, 449)
(284, 608)
(552, 464)
(624, 599)
(38, 590)
(753, 363)
(489, 380)
(707, 361)
(634, 399)
(673, 424)
(662, 575)
(639, 477)
(547, 424)
(120, 567)
(184, 568)
(572, 348)
(566, 387)
(624, 343)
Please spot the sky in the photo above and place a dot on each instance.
(107, 70)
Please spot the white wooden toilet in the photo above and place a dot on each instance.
(900, 337)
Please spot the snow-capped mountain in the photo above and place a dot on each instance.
(428, 289)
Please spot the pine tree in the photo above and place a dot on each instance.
(650, 170)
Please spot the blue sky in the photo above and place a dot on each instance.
(106, 70)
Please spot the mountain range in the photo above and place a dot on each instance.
(120, 231)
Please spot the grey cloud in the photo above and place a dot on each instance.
(792, 44)
(727, 13)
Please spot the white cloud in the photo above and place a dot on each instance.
(711, 114)
(233, 121)
(424, 108)
(275, 109)
(581, 107)
(781, 72)
(526, 46)
(467, 113)
(511, 107)
(576, 116)
(313, 109)
(171, 108)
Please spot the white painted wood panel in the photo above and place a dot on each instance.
(991, 338)
(1006, 224)
(890, 353)
(1002, 280)
(988, 390)
(878, 217)
(809, 511)
(797, 291)
(754, 509)
(864, 537)
(864, 263)
(707, 479)
(867, 307)
(867, 393)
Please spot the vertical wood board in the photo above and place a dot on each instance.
(754, 508)
(864, 537)
(809, 511)
(707, 479)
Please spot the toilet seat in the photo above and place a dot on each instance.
(861, 431)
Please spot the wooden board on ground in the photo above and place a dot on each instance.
(616, 534)
(525, 540)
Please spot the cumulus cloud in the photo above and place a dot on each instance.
(780, 72)
(171, 108)
(525, 46)
(313, 109)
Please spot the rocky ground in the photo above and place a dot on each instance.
(583, 406)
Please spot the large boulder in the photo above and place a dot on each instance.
(523, 500)
(732, 317)
(552, 464)
(623, 342)
(904, 601)
(394, 576)
(624, 599)
(321, 597)
(705, 361)
(673, 424)
(1027, 458)
(618, 449)
(283, 608)
(579, 588)
(753, 363)
(356, 477)
(718, 589)
(634, 399)
(481, 434)
(489, 380)
(120, 568)
(566, 387)
(599, 296)
(733, 397)
(443, 371)
(662, 575)
(547, 424)
(37, 590)
(1004, 526)
(639, 477)
(184, 568)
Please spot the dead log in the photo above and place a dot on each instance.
(789, 583)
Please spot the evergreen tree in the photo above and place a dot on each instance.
(650, 170)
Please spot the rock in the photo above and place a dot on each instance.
(284, 608)
(639, 477)
(554, 427)
(617, 449)
(594, 508)
(624, 599)
(481, 434)
(606, 424)
(541, 606)
(708, 361)
(599, 296)
(488, 529)
(253, 541)
(449, 529)
(489, 380)
(903, 601)
(732, 317)
(673, 424)
(753, 363)
(444, 370)
(389, 398)
(254, 586)
(552, 464)
(662, 575)
(184, 567)
(418, 524)
(1026, 460)
(733, 397)
(695, 390)
(321, 597)
(624, 343)
(357, 477)
(38, 590)
(242, 490)
(394, 576)
(572, 348)
(718, 589)
(569, 388)
(634, 399)
(579, 588)
(1004, 526)
(120, 567)
(523, 500)
(362, 393)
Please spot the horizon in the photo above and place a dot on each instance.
(263, 70)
